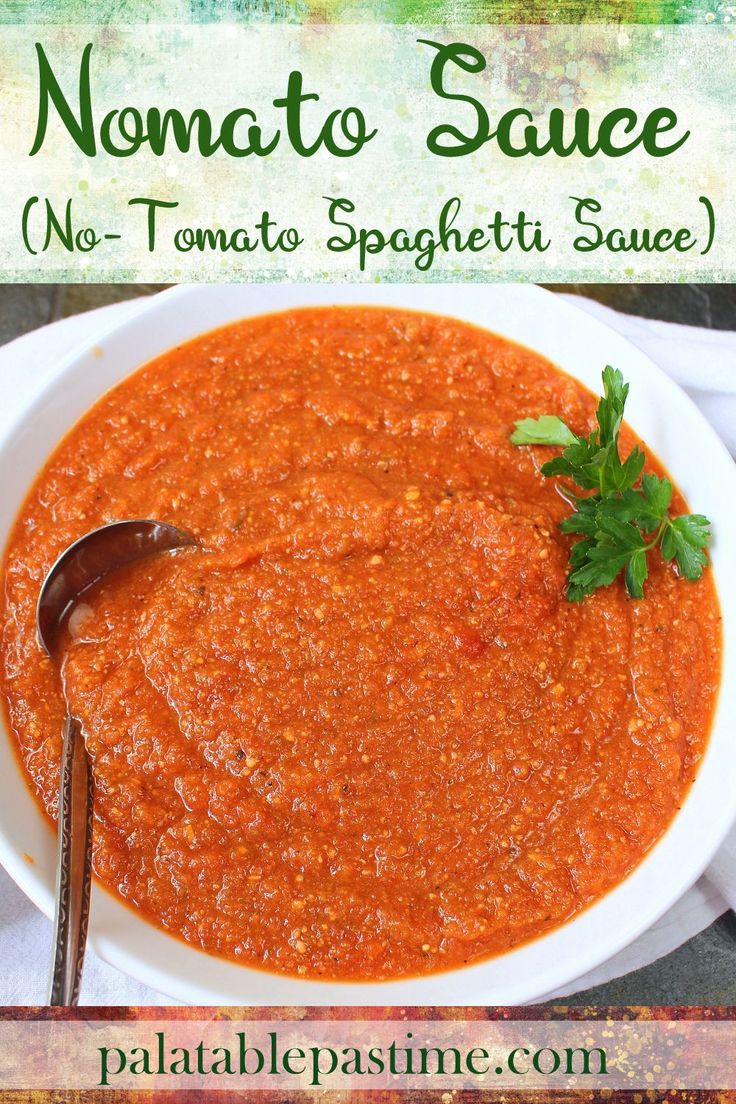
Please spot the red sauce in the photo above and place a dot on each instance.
(362, 734)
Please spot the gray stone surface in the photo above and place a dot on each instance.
(709, 305)
(24, 307)
(702, 971)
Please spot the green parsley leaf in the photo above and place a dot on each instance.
(622, 514)
(601, 565)
(616, 546)
(579, 552)
(618, 475)
(547, 430)
(684, 540)
(636, 573)
(657, 494)
(610, 412)
(585, 518)
(580, 461)
(619, 534)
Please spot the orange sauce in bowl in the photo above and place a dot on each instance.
(360, 734)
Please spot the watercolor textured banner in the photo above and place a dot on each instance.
(393, 210)
(423, 12)
(226, 1053)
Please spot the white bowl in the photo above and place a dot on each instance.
(663, 416)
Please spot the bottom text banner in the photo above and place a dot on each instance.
(386, 1050)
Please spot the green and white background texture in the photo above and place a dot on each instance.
(223, 54)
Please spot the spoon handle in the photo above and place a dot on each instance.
(74, 867)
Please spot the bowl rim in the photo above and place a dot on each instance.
(163, 961)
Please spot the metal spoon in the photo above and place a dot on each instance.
(82, 565)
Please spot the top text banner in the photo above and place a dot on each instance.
(367, 152)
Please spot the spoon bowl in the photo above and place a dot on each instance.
(81, 566)
(89, 559)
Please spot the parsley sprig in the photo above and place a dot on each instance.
(622, 515)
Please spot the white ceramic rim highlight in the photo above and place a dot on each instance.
(658, 410)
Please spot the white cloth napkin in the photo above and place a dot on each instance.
(702, 361)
